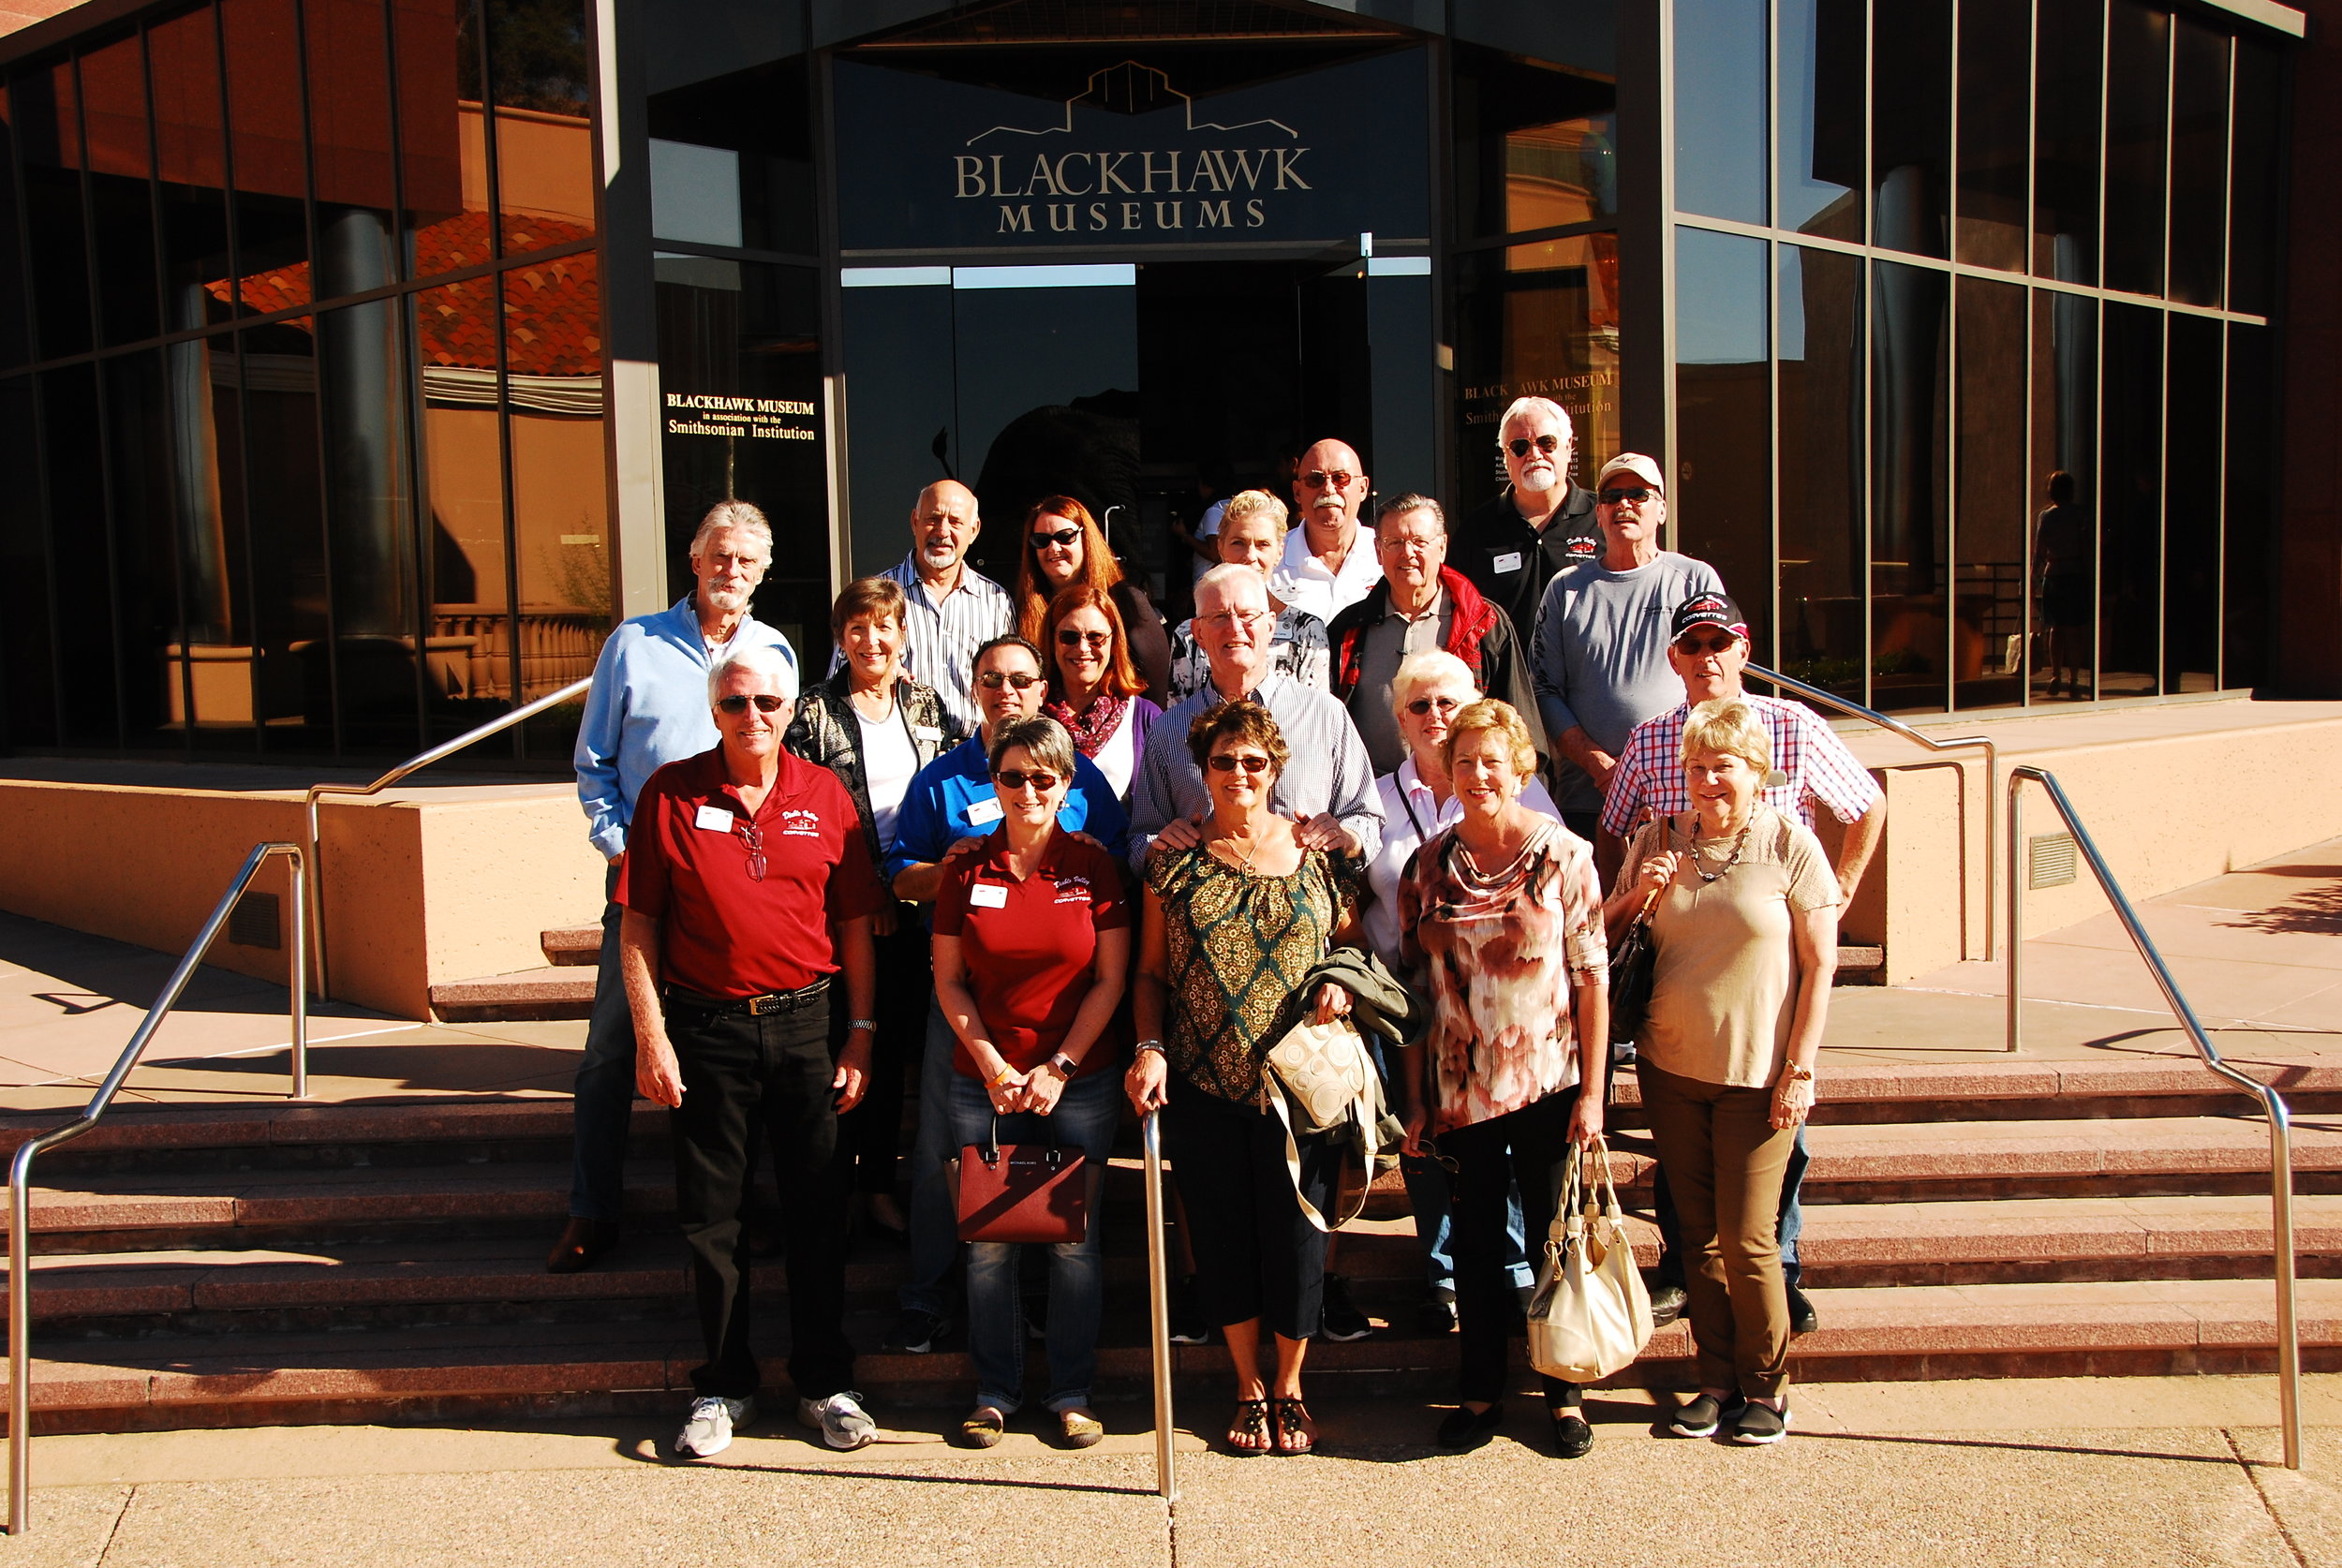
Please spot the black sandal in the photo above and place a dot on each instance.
(1293, 1422)
(1251, 1421)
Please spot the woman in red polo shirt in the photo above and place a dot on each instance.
(1033, 945)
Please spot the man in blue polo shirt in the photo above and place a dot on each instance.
(949, 809)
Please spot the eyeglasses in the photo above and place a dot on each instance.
(992, 680)
(1612, 497)
(1422, 705)
(1228, 762)
(1070, 637)
(1430, 1151)
(1689, 645)
(1014, 779)
(754, 837)
(1228, 617)
(766, 702)
(1545, 444)
(1063, 536)
(1328, 479)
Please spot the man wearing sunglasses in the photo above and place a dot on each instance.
(1327, 566)
(1599, 657)
(747, 892)
(1543, 523)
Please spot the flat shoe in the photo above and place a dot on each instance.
(1572, 1437)
(983, 1427)
(1466, 1428)
(1079, 1427)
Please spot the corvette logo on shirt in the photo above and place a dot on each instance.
(803, 824)
(1072, 888)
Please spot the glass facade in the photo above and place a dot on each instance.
(1851, 437)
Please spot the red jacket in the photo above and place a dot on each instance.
(1473, 619)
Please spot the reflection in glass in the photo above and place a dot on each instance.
(1995, 44)
(146, 597)
(121, 195)
(2065, 529)
(349, 144)
(2069, 41)
(1722, 509)
(222, 694)
(442, 153)
(2138, 84)
(285, 522)
(28, 668)
(899, 406)
(1821, 123)
(1720, 109)
(70, 422)
(377, 681)
(2253, 191)
(2131, 507)
(1911, 125)
(554, 413)
(1910, 472)
(765, 118)
(2248, 577)
(1988, 578)
(541, 70)
(2200, 68)
(469, 674)
(48, 139)
(190, 169)
(1538, 319)
(263, 50)
(2192, 508)
(15, 335)
(1824, 637)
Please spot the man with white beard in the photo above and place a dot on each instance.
(1329, 564)
(1542, 525)
(649, 707)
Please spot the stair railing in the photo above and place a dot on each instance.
(2272, 1104)
(420, 759)
(1961, 743)
(20, 1167)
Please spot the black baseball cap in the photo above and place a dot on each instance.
(1707, 610)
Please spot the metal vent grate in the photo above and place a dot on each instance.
(254, 921)
(2050, 860)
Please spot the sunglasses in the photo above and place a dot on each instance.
(1328, 479)
(992, 680)
(1063, 536)
(1072, 637)
(1251, 761)
(1014, 779)
(1422, 705)
(1612, 497)
(1545, 444)
(1688, 646)
(765, 702)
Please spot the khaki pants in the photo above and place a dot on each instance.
(1725, 1161)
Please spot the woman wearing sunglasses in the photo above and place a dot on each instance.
(1033, 947)
(1501, 922)
(1232, 928)
(1094, 690)
(1064, 545)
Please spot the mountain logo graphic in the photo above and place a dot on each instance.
(1129, 88)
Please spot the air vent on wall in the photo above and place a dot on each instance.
(2050, 860)
(254, 921)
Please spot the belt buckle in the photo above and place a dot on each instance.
(760, 1007)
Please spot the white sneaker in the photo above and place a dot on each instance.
(708, 1431)
(840, 1419)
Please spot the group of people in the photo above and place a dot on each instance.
(1073, 857)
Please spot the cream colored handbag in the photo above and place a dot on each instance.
(1591, 1315)
(1323, 1069)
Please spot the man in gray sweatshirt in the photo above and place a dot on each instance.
(1600, 654)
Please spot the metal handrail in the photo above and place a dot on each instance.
(1960, 743)
(420, 759)
(1159, 1306)
(2280, 1120)
(21, 1168)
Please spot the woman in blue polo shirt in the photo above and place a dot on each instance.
(1032, 944)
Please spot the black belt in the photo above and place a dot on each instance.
(752, 1007)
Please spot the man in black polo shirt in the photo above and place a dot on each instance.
(1542, 524)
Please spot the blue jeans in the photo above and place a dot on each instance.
(1085, 1119)
(603, 1106)
(1431, 1198)
(934, 1224)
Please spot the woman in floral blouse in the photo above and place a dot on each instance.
(1500, 918)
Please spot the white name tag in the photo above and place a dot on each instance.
(985, 896)
(983, 812)
(1509, 561)
(715, 819)
(926, 732)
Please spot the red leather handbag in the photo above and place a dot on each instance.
(1023, 1192)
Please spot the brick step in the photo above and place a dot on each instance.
(567, 1368)
(572, 944)
(1860, 966)
(555, 991)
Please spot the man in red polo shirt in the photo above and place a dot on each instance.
(747, 887)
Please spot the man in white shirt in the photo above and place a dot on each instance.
(1329, 564)
(952, 609)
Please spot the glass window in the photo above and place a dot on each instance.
(264, 137)
(284, 527)
(897, 407)
(2069, 38)
(215, 692)
(541, 69)
(1720, 108)
(443, 165)
(561, 542)
(1995, 111)
(1535, 146)
(15, 333)
(349, 144)
(2131, 505)
(749, 139)
(378, 681)
(2065, 529)
(2248, 537)
(2254, 193)
(155, 673)
(469, 665)
(1911, 125)
(121, 189)
(1537, 320)
(2199, 162)
(2138, 87)
(1988, 578)
(2191, 526)
(1722, 509)
(48, 137)
(1824, 44)
(81, 556)
(190, 169)
(1824, 454)
(1910, 474)
(29, 666)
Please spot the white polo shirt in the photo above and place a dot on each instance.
(1302, 581)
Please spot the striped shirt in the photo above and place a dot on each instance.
(1650, 776)
(939, 640)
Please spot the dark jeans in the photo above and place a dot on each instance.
(603, 1110)
(1670, 1270)
(1529, 1146)
(1257, 1253)
(872, 1131)
(748, 1085)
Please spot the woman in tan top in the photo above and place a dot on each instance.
(1745, 930)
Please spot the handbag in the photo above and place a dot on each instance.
(1022, 1192)
(1633, 963)
(1323, 1069)
(1591, 1315)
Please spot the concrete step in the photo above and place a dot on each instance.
(555, 991)
(1860, 966)
(572, 944)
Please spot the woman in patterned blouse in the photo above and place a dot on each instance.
(1232, 928)
(1500, 920)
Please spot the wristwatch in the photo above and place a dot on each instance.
(1065, 1067)
(1146, 1046)
(853, 1024)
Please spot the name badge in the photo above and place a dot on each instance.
(926, 732)
(1509, 561)
(987, 895)
(983, 812)
(715, 819)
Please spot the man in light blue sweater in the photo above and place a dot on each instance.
(1599, 658)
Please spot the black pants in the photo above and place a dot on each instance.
(1257, 1254)
(1529, 1145)
(750, 1083)
(872, 1131)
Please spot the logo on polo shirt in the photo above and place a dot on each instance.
(1072, 888)
(803, 824)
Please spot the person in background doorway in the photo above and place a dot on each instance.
(950, 608)
(1327, 567)
(649, 707)
(2061, 557)
(1095, 689)
(1064, 545)
(1213, 492)
(1253, 534)
(1542, 525)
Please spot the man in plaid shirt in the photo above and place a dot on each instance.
(1707, 646)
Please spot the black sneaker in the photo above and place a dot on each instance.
(1801, 1317)
(1466, 1428)
(1437, 1315)
(1759, 1424)
(1338, 1320)
(1667, 1305)
(1700, 1418)
(1188, 1325)
(915, 1332)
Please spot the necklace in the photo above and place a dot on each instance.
(1738, 843)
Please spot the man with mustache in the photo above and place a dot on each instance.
(1327, 566)
(1542, 525)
